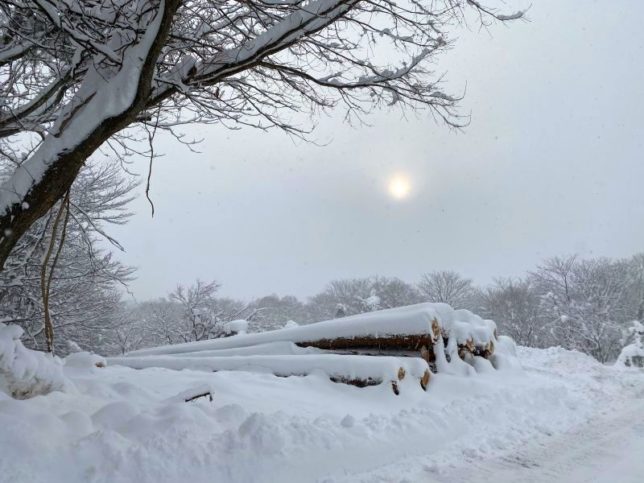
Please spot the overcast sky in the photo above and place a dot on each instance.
(551, 164)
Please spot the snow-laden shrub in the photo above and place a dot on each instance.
(633, 354)
(25, 373)
(290, 324)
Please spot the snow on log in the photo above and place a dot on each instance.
(359, 371)
(280, 348)
(403, 328)
(466, 332)
(404, 331)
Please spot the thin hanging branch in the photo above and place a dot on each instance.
(45, 281)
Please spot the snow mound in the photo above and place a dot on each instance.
(25, 373)
(84, 360)
(633, 354)
(235, 327)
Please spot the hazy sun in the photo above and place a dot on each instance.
(399, 186)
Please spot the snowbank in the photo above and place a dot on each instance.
(128, 425)
(25, 373)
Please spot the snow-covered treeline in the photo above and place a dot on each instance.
(582, 304)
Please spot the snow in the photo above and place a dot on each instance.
(26, 373)
(233, 327)
(633, 354)
(561, 417)
(270, 348)
(84, 360)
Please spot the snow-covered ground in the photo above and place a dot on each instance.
(564, 417)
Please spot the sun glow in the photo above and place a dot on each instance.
(399, 186)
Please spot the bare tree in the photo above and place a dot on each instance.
(78, 76)
(358, 295)
(636, 282)
(585, 302)
(447, 287)
(273, 311)
(80, 279)
(515, 306)
(204, 315)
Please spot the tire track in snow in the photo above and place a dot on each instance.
(608, 450)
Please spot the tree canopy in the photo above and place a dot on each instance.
(81, 76)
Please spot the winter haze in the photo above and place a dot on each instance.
(551, 164)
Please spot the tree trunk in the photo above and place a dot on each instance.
(64, 163)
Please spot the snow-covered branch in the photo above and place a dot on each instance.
(78, 73)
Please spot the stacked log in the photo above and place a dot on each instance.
(432, 334)
(360, 371)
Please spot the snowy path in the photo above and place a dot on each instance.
(608, 447)
(609, 450)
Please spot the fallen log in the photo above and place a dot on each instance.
(359, 371)
(403, 328)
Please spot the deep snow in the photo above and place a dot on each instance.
(124, 425)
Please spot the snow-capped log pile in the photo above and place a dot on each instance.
(404, 328)
(25, 373)
(434, 335)
(410, 330)
(356, 370)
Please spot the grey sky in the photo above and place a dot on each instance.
(551, 164)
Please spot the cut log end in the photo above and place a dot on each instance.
(436, 331)
(401, 373)
(424, 381)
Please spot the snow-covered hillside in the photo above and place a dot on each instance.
(122, 425)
